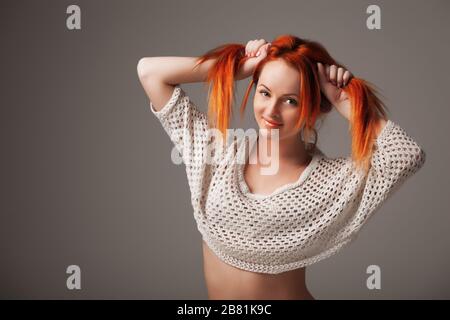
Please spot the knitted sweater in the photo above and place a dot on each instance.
(299, 223)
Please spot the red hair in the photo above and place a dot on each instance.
(303, 55)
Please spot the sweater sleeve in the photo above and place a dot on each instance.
(185, 124)
(396, 157)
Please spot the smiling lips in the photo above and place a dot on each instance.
(271, 123)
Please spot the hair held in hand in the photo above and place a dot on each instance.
(303, 55)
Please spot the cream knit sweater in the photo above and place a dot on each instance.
(299, 223)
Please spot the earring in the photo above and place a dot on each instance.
(308, 144)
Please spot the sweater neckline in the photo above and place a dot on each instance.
(245, 190)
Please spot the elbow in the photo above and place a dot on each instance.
(405, 164)
(144, 67)
(416, 161)
(418, 156)
(421, 157)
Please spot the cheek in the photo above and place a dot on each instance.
(291, 117)
(258, 107)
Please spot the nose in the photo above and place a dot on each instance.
(272, 111)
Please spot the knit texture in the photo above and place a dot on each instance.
(298, 224)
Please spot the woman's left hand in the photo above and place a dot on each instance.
(332, 80)
(255, 51)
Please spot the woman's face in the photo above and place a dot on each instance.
(277, 99)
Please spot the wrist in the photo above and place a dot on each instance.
(243, 73)
(344, 108)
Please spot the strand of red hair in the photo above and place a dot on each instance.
(303, 55)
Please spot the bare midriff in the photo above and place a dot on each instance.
(224, 282)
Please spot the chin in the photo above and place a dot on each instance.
(266, 132)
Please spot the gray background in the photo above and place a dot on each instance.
(86, 176)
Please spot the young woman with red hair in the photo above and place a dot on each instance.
(260, 230)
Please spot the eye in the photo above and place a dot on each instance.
(262, 92)
(294, 103)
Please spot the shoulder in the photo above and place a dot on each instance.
(333, 168)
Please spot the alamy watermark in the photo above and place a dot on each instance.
(73, 21)
(73, 282)
(214, 153)
(374, 280)
(374, 20)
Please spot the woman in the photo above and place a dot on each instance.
(261, 230)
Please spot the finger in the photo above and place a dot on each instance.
(263, 50)
(253, 48)
(327, 72)
(333, 72)
(346, 77)
(320, 67)
(261, 42)
(248, 49)
(340, 73)
(259, 45)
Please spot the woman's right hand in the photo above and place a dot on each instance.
(255, 51)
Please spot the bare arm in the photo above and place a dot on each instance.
(159, 75)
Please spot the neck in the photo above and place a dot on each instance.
(291, 150)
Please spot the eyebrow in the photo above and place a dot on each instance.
(287, 94)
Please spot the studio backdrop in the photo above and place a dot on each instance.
(92, 205)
